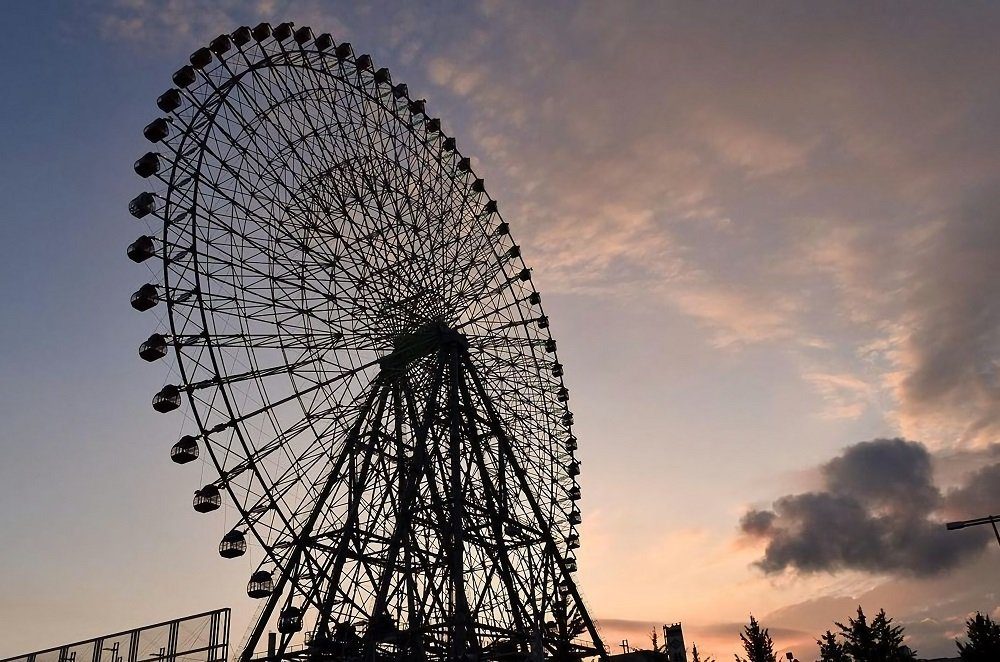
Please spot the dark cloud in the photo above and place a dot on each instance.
(979, 496)
(876, 513)
(885, 473)
(758, 522)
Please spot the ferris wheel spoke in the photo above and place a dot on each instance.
(315, 387)
(225, 309)
(276, 105)
(400, 195)
(266, 256)
(316, 157)
(494, 312)
(498, 342)
(269, 169)
(319, 505)
(265, 253)
(331, 417)
(305, 341)
(259, 373)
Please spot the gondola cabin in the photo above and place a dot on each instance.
(290, 620)
(145, 297)
(142, 205)
(185, 450)
(207, 499)
(154, 348)
(168, 399)
(261, 584)
(141, 249)
(233, 545)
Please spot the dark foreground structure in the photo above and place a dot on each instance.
(197, 638)
(365, 361)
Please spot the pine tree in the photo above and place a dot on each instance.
(984, 640)
(757, 643)
(831, 650)
(696, 656)
(878, 641)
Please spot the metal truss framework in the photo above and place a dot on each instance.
(365, 358)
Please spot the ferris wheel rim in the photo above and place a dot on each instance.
(522, 315)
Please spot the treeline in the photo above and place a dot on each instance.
(875, 640)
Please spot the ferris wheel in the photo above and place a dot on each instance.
(366, 364)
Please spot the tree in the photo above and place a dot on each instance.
(757, 643)
(984, 640)
(831, 650)
(878, 641)
(696, 657)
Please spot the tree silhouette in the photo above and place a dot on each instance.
(831, 650)
(757, 643)
(984, 640)
(696, 656)
(878, 641)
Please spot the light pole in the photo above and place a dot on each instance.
(989, 519)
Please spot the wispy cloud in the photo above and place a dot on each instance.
(814, 188)
(168, 25)
(847, 395)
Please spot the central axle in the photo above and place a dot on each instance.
(424, 341)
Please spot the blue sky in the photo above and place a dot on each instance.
(763, 235)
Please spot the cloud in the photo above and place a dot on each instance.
(979, 496)
(846, 395)
(826, 186)
(877, 512)
(735, 315)
(184, 24)
(734, 629)
(810, 189)
(745, 145)
(950, 354)
(456, 76)
(951, 466)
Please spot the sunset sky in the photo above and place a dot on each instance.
(768, 237)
